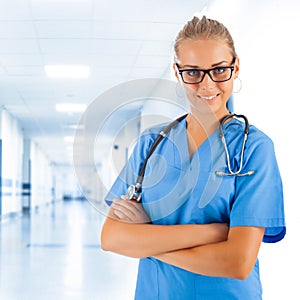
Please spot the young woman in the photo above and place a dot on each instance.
(198, 230)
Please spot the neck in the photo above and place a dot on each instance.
(207, 123)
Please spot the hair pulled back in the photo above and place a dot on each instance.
(204, 29)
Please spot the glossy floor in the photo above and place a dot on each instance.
(55, 254)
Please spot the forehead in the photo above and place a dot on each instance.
(203, 53)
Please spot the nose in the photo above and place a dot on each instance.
(206, 83)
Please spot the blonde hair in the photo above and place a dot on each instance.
(204, 29)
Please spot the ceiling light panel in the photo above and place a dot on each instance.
(67, 71)
(70, 107)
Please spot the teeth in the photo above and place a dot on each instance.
(208, 98)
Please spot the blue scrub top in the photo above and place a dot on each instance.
(178, 189)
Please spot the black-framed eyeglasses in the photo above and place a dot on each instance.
(217, 74)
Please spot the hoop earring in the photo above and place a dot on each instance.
(240, 86)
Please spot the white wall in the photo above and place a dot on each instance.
(65, 182)
(41, 177)
(12, 169)
(111, 155)
(12, 148)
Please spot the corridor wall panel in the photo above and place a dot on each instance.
(12, 148)
(41, 177)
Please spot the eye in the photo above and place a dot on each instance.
(193, 73)
(218, 71)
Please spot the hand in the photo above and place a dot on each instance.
(129, 211)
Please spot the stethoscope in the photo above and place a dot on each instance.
(134, 191)
(222, 136)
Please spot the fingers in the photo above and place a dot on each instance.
(132, 206)
(121, 215)
(116, 215)
(123, 210)
(130, 211)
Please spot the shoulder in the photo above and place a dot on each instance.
(151, 133)
(147, 138)
(155, 129)
(255, 136)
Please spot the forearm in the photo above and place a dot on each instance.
(143, 240)
(209, 260)
(233, 258)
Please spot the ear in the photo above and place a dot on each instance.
(176, 72)
(237, 68)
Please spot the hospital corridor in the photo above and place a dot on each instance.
(81, 83)
(55, 254)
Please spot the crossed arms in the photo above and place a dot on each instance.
(207, 249)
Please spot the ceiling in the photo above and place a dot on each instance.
(119, 40)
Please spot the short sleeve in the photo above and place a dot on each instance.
(259, 197)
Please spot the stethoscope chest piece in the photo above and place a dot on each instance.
(133, 193)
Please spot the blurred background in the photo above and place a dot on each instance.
(58, 58)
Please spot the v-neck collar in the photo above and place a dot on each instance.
(179, 140)
(201, 148)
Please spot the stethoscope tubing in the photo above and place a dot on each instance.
(223, 139)
(136, 189)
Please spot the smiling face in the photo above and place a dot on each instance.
(207, 96)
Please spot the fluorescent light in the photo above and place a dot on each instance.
(74, 126)
(70, 107)
(69, 139)
(67, 71)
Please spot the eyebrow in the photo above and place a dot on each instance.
(220, 63)
(213, 65)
